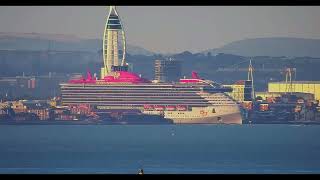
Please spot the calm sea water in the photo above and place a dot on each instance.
(159, 149)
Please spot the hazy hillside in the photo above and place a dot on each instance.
(57, 42)
(275, 47)
(29, 53)
(291, 47)
(223, 68)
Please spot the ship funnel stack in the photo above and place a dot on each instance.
(114, 44)
(194, 75)
(89, 77)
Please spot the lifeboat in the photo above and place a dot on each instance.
(170, 108)
(181, 108)
(159, 108)
(148, 107)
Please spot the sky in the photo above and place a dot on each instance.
(168, 29)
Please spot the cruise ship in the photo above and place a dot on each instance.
(191, 100)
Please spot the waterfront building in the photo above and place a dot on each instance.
(312, 87)
(41, 112)
(167, 70)
(241, 90)
(18, 107)
(272, 96)
(30, 86)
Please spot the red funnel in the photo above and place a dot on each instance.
(195, 75)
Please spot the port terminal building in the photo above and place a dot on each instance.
(272, 95)
(241, 90)
(309, 90)
(307, 87)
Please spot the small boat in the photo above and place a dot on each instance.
(159, 108)
(140, 172)
(148, 107)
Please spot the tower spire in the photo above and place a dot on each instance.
(112, 10)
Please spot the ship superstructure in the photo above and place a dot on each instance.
(191, 100)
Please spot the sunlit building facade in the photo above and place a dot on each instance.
(312, 87)
(241, 90)
(167, 70)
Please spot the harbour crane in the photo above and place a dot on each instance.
(250, 78)
(288, 79)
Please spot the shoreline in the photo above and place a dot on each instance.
(82, 122)
(79, 122)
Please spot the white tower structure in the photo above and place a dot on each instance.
(114, 44)
(250, 78)
(289, 80)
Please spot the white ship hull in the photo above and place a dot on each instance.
(223, 119)
(229, 114)
(181, 103)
